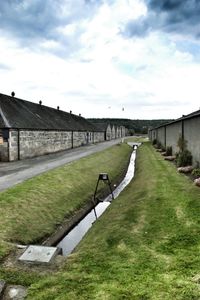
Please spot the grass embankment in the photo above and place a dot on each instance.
(32, 210)
(145, 246)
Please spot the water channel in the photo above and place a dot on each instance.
(71, 240)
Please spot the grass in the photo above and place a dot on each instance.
(145, 246)
(32, 210)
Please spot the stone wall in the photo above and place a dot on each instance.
(35, 143)
(113, 133)
(39, 142)
(80, 138)
(108, 133)
(99, 137)
(13, 145)
(118, 132)
(123, 131)
(4, 152)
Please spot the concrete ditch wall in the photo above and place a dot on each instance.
(187, 128)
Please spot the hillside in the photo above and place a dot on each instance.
(134, 126)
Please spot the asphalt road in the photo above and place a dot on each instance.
(12, 173)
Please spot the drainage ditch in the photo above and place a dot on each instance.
(71, 240)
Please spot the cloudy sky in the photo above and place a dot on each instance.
(137, 59)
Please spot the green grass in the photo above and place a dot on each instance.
(33, 210)
(145, 246)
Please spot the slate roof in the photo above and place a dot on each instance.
(101, 126)
(21, 114)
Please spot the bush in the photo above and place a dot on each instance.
(184, 158)
(182, 144)
(169, 151)
(159, 145)
(196, 172)
(154, 142)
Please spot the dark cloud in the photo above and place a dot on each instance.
(178, 16)
(32, 21)
(28, 19)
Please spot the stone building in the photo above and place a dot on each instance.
(106, 128)
(110, 131)
(28, 129)
(187, 127)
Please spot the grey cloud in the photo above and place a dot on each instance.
(176, 16)
(31, 22)
(139, 27)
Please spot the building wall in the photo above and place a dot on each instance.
(161, 136)
(123, 131)
(153, 134)
(118, 132)
(108, 133)
(113, 133)
(99, 136)
(35, 143)
(173, 132)
(189, 129)
(13, 145)
(80, 138)
(4, 152)
(192, 136)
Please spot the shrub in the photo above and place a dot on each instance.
(154, 142)
(169, 151)
(196, 172)
(184, 158)
(182, 144)
(159, 145)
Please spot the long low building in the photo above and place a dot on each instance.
(187, 127)
(28, 129)
(111, 131)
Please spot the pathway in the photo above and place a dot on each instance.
(12, 173)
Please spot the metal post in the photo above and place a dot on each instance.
(109, 183)
(104, 177)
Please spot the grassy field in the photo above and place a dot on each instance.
(145, 246)
(32, 210)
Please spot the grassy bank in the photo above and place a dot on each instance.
(32, 210)
(145, 246)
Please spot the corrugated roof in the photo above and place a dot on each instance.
(22, 114)
(184, 117)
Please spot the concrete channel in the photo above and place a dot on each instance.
(71, 240)
(66, 238)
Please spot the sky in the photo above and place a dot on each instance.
(136, 59)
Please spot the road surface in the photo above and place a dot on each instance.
(12, 173)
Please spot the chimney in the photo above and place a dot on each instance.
(70, 112)
(79, 115)
(40, 102)
(58, 107)
(13, 94)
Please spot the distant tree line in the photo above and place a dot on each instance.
(134, 126)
